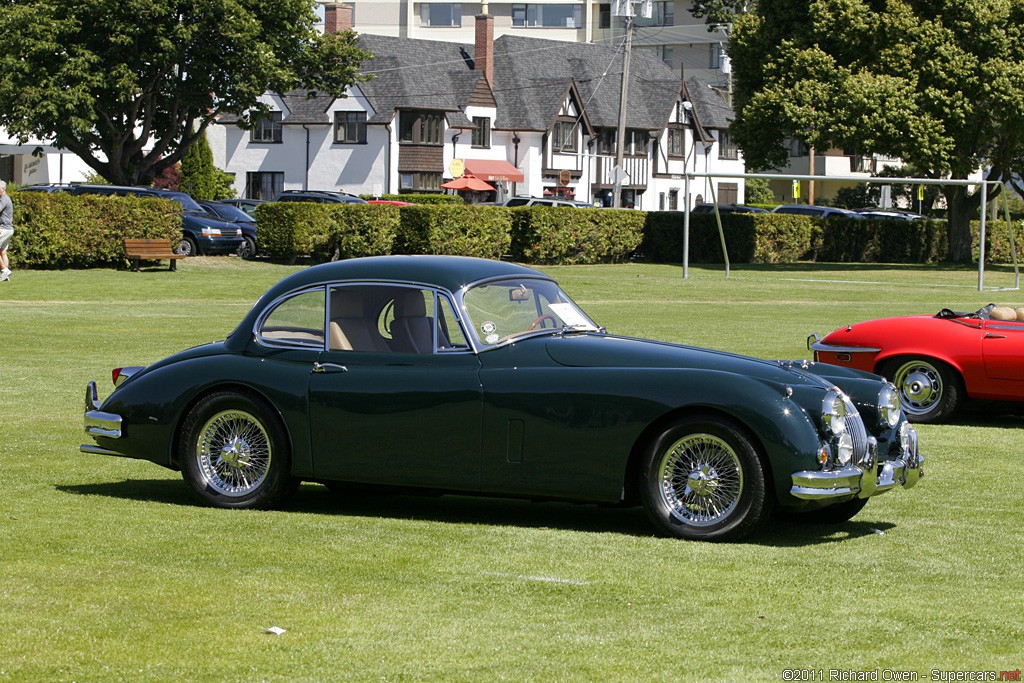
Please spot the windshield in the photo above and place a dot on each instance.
(499, 311)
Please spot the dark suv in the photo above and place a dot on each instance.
(202, 232)
(319, 197)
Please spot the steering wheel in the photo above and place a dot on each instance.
(538, 321)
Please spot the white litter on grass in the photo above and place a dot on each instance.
(545, 579)
(879, 532)
(276, 630)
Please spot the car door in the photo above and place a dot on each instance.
(1003, 349)
(381, 412)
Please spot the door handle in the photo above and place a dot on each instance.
(322, 368)
(989, 335)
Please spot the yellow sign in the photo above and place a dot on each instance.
(457, 168)
(920, 193)
(796, 189)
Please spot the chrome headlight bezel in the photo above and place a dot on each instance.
(889, 406)
(833, 412)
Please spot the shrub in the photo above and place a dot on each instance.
(288, 230)
(544, 234)
(62, 231)
(848, 240)
(997, 241)
(749, 237)
(461, 230)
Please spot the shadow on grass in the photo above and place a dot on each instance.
(461, 509)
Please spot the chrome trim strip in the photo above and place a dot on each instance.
(93, 449)
(822, 346)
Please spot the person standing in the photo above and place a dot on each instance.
(6, 230)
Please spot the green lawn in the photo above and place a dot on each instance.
(111, 572)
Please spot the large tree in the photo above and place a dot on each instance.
(129, 85)
(938, 83)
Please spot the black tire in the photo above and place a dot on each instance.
(247, 249)
(930, 390)
(187, 247)
(234, 454)
(702, 479)
(832, 514)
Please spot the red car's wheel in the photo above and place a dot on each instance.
(929, 390)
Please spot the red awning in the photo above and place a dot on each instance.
(468, 183)
(493, 169)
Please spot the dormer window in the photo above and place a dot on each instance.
(564, 137)
(266, 127)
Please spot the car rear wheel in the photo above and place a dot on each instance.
(247, 249)
(187, 247)
(929, 390)
(703, 479)
(233, 452)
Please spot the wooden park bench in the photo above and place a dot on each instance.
(138, 250)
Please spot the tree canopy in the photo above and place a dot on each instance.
(938, 83)
(129, 85)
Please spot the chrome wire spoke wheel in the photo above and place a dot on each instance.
(701, 479)
(920, 385)
(233, 453)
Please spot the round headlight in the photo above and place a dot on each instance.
(833, 412)
(888, 406)
(844, 450)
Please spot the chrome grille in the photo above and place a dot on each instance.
(859, 433)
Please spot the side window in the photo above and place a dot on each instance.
(449, 332)
(297, 321)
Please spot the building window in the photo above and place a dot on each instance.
(440, 14)
(421, 128)
(482, 134)
(676, 142)
(715, 55)
(798, 149)
(547, 16)
(636, 143)
(266, 127)
(264, 184)
(663, 13)
(419, 182)
(564, 137)
(350, 127)
(606, 141)
(604, 15)
(726, 147)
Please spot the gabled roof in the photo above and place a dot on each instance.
(710, 104)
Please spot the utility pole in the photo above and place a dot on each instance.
(620, 135)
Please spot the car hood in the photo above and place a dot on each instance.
(604, 350)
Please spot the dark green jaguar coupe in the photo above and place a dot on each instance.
(476, 376)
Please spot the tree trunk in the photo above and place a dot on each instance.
(961, 207)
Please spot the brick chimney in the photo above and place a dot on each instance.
(483, 47)
(337, 16)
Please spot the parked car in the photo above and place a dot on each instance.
(202, 233)
(543, 201)
(474, 376)
(247, 205)
(233, 214)
(816, 211)
(891, 215)
(727, 208)
(49, 189)
(319, 196)
(936, 361)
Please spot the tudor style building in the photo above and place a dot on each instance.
(527, 116)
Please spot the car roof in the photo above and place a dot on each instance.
(447, 272)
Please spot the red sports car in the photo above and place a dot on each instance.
(937, 361)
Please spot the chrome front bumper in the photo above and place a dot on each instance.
(862, 482)
(99, 423)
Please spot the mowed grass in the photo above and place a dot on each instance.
(110, 571)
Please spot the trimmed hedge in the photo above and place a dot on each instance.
(462, 230)
(63, 231)
(848, 240)
(325, 232)
(432, 198)
(749, 237)
(545, 234)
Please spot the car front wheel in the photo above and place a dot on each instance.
(247, 249)
(703, 480)
(929, 390)
(233, 452)
(187, 247)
